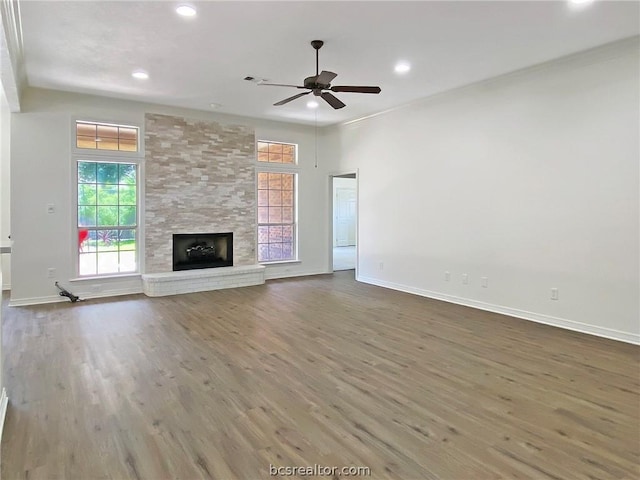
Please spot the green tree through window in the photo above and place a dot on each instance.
(107, 217)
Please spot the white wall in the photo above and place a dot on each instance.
(530, 179)
(4, 218)
(5, 175)
(4, 156)
(41, 174)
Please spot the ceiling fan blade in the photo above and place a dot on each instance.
(287, 100)
(331, 100)
(325, 77)
(280, 85)
(353, 89)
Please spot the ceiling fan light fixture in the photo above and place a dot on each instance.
(312, 104)
(185, 10)
(402, 67)
(140, 74)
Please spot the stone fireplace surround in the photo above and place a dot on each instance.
(199, 177)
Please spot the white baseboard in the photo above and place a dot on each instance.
(610, 333)
(272, 275)
(112, 293)
(23, 302)
(4, 403)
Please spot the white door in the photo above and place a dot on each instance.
(345, 217)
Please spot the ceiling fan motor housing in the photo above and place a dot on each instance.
(310, 82)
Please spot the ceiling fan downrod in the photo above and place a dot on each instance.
(317, 44)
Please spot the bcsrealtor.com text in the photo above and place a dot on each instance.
(319, 471)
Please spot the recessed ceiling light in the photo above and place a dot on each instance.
(140, 74)
(215, 105)
(580, 2)
(186, 11)
(312, 104)
(402, 67)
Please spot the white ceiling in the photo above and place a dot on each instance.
(92, 47)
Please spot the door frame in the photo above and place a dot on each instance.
(332, 175)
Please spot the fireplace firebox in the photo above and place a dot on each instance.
(202, 250)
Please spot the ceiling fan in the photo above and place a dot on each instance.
(320, 85)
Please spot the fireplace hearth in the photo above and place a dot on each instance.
(202, 250)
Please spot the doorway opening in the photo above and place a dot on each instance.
(344, 194)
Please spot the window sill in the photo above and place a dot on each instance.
(106, 277)
(279, 262)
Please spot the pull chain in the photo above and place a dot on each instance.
(316, 122)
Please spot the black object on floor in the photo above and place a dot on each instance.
(66, 293)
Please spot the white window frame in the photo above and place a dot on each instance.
(274, 167)
(108, 156)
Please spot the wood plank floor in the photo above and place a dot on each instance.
(320, 370)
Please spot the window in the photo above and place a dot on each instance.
(107, 178)
(104, 136)
(276, 201)
(276, 152)
(107, 217)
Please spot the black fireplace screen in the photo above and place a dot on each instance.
(202, 250)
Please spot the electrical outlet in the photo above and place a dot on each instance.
(447, 276)
(51, 273)
(465, 279)
(554, 294)
(51, 208)
(484, 281)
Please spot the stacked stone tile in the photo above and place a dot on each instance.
(199, 178)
